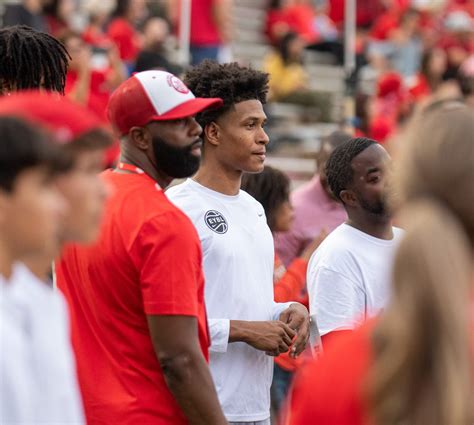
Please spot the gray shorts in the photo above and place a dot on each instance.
(264, 422)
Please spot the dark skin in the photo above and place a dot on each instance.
(368, 190)
(175, 338)
(236, 143)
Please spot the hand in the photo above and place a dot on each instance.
(273, 337)
(313, 245)
(296, 316)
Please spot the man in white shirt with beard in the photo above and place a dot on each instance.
(247, 327)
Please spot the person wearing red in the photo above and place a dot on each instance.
(413, 364)
(139, 325)
(121, 29)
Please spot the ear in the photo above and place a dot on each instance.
(212, 133)
(140, 137)
(349, 198)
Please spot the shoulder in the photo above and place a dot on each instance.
(330, 389)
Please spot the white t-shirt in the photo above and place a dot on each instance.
(16, 393)
(349, 276)
(238, 258)
(54, 390)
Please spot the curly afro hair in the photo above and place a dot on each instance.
(230, 81)
(338, 168)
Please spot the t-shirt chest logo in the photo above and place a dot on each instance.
(216, 222)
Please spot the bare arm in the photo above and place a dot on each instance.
(176, 343)
(274, 337)
(222, 12)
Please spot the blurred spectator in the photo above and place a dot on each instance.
(289, 81)
(466, 80)
(122, 30)
(285, 66)
(31, 59)
(98, 12)
(315, 207)
(211, 26)
(272, 189)
(430, 75)
(58, 15)
(458, 40)
(154, 55)
(92, 86)
(28, 12)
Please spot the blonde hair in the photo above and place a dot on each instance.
(423, 370)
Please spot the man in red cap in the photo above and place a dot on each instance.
(137, 296)
(54, 390)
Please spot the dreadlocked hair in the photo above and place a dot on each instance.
(271, 188)
(230, 81)
(338, 168)
(30, 60)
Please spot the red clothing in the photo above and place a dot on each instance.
(290, 285)
(94, 37)
(99, 93)
(329, 391)
(420, 89)
(123, 34)
(204, 31)
(147, 261)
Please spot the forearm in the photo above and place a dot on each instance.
(80, 93)
(189, 380)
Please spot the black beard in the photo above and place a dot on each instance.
(175, 162)
(378, 208)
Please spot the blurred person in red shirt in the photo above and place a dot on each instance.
(58, 15)
(211, 26)
(98, 12)
(433, 66)
(413, 364)
(92, 76)
(122, 31)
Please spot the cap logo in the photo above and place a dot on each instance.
(216, 221)
(177, 84)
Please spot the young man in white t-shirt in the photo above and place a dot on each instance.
(77, 136)
(348, 276)
(247, 327)
(30, 212)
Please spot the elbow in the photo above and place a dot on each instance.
(177, 367)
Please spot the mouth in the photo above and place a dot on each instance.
(261, 155)
(195, 147)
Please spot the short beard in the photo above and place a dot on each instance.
(173, 161)
(378, 209)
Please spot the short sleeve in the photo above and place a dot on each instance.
(168, 257)
(337, 301)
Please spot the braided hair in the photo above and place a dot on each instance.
(31, 59)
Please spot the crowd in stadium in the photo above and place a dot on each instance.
(155, 270)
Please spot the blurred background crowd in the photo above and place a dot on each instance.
(407, 54)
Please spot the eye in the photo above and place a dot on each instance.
(250, 125)
(374, 179)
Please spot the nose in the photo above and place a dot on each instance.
(196, 129)
(263, 138)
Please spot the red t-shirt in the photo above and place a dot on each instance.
(122, 33)
(204, 31)
(329, 391)
(147, 261)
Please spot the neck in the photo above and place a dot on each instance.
(143, 162)
(380, 228)
(39, 265)
(6, 262)
(218, 177)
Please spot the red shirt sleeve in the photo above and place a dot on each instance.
(169, 262)
(291, 284)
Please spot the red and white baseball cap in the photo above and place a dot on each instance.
(153, 96)
(64, 119)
